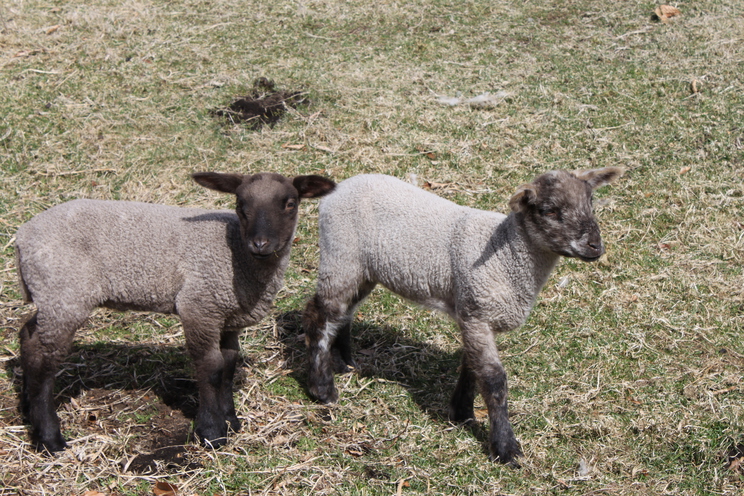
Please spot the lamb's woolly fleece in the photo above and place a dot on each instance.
(139, 256)
(469, 263)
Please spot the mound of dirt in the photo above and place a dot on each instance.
(265, 105)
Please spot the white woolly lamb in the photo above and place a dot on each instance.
(216, 270)
(482, 268)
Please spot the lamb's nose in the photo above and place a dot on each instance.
(597, 247)
(260, 243)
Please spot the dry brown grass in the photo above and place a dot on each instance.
(626, 380)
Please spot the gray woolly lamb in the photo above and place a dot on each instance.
(217, 270)
(482, 268)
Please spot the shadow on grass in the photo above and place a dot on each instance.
(428, 373)
(164, 370)
(106, 369)
(160, 411)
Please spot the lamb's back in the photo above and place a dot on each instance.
(389, 214)
(117, 253)
(404, 237)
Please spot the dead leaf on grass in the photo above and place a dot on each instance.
(52, 29)
(26, 53)
(357, 450)
(432, 185)
(665, 12)
(481, 414)
(724, 391)
(93, 493)
(323, 148)
(289, 146)
(401, 484)
(164, 489)
(430, 154)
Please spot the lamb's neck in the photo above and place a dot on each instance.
(534, 263)
(269, 268)
(256, 284)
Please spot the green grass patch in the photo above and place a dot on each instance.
(627, 377)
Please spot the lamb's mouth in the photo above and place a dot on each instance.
(586, 252)
(581, 256)
(264, 256)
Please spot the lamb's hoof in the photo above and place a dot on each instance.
(211, 437)
(233, 424)
(52, 445)
(506, 453)
(343, 366)
(509, 461)
(461, 415)
(214, 443)
(324, 394)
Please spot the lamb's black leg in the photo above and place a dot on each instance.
(461, 405)
(319, 335)
(481, 354)
(341, 350)
(204, 341)
(343, 360)
(230, 347)
(211, 424)
(41, 353)
(503, 445)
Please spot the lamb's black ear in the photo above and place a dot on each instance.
(599, 177)
(226, 183)
(313, 186)
(525, 195)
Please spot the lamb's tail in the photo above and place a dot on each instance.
(27, 298)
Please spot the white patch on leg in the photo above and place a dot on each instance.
(328, 335)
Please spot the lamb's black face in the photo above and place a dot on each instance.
(267, 206)
(557, 212)
(563, 214)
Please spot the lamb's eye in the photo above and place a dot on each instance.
(291, 204)
(551, 213)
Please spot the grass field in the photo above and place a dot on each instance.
(625, 380)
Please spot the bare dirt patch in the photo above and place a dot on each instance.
(265, 105)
